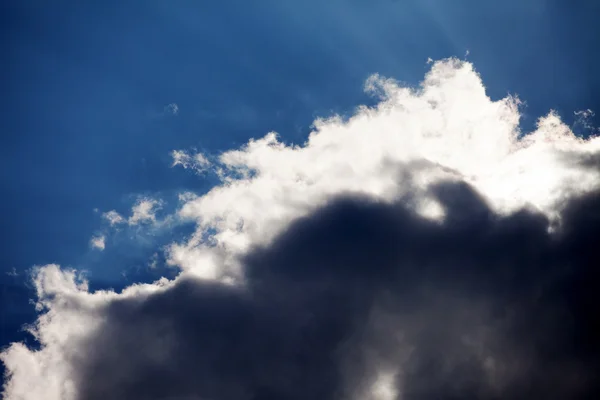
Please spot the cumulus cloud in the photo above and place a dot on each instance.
(446, 129)
(405, 253)
(98, 242)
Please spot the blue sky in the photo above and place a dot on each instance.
(86, 122)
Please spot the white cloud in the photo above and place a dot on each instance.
(172, 108)
(197, 162)
(144, 211)
(98, 242)
(446, 129)
(186, 196)
(113, 217)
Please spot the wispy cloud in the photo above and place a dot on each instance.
(172, 109)
(195, 161)
(583, 118)
(153, 261)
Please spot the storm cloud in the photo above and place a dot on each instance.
(423, 249)
(478, 306)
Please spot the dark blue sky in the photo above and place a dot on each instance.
(85, 86)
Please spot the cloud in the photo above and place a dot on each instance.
(172, 109)
(405, 253)
(144, 211)
(479, 306)
(197, 162)
(98, 242)
(113, 217)
(153, 261)
(446, 129)
(583, 118)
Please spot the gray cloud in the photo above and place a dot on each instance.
(479, 306)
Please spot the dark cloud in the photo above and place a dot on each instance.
(479, 306)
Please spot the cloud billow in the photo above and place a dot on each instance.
(454, 262)
(481, 306)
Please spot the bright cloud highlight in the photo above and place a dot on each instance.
(446, 129)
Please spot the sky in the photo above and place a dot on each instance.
(296, 199)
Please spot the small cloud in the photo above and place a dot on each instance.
(467, 53)
(144, 211)
(172, 109)
(12, 272)
(197, 162)
(98, 242)
(583, 118)
(113, 217)
(186, 197)
(153, 261)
